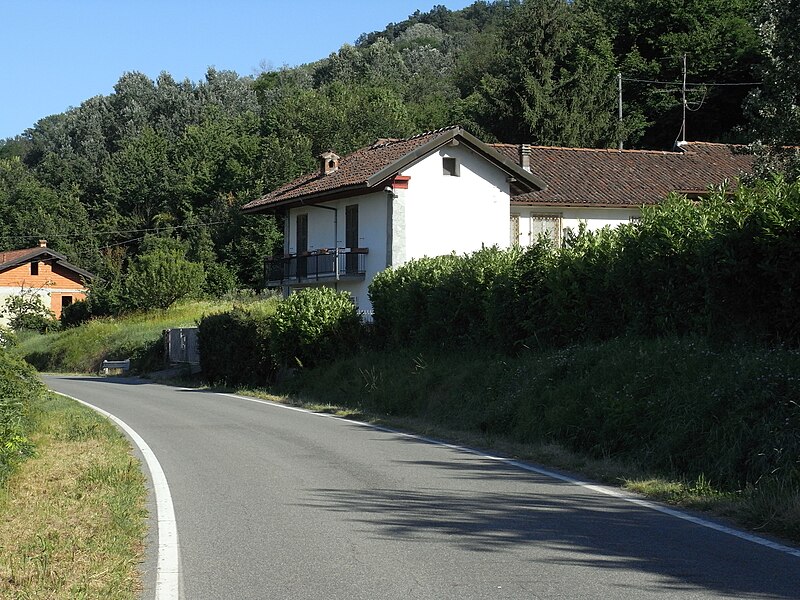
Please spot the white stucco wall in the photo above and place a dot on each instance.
(571, 218)
(372, 227)
(445, 214)
(437, 214)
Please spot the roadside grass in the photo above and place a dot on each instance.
(676, 419)
(73, 517)
(137, 336)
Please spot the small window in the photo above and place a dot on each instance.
(450, 166)
(514, 230)
(548, 226)
(34, 268)
(66, 301)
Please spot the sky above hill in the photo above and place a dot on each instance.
(57, 53)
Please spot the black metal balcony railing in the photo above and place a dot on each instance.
(317, 265)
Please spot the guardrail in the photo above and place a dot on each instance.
(117, 366)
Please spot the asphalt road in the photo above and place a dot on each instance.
(277, 503)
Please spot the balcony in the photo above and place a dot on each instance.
(337, 264)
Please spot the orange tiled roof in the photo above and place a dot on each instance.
(624, 178)
(362, 170)
(14, 258)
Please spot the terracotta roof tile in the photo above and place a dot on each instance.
(591, 177)
(14, 255)
(353, 172)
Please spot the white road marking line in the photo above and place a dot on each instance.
(608, 491)
(168, 564)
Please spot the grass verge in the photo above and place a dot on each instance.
(73, 517)
(676, 419)
(137, 336)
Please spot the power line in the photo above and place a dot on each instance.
(690, 84)
(119, 232)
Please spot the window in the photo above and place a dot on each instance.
(66, 301)
(450, 166)
(548, 226)
(34, 268)
(514, 233)
(351, 237)
(302, 245)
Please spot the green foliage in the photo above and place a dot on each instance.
(26, 311)
(723, 267)
(19, 386)
(675, 406)
(235, 345)
(551, 81)
(137, 336)
(649, 40)
(314, 325)
(75, 314)
(776, 114)
(161, 277)
(441, 300)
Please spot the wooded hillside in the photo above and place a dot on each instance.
(178, 158)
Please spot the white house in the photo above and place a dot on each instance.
(446, 191)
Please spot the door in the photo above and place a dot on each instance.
(351, 237)
(302, 245)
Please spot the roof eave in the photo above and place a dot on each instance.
(308, 199)
(529, 179)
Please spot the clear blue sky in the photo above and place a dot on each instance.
(57, 53)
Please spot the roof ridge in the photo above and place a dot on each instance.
(416, 136)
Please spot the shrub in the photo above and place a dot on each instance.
(314, 325)
(723, 267)
(28, 312)
(235, 346)
(19, 386)
(75, 314)
(161, 277)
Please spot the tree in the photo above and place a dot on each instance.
(26, 310)
(161, 276)
(649, 40)
(551, 81)
(775, 108)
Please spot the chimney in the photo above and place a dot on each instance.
(328, 162)
(525, 155)
(42, 243)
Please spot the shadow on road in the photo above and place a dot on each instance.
(568, 526)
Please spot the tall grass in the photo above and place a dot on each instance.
(73, 518)
(19, 388)
(675, 407)
(137, 336)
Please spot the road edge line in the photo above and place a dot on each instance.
(168, 561)
(608, 491)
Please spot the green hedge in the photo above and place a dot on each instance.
(247, 347)
(19, 387)
(234, 346)
(724, 267)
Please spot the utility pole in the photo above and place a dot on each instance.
(683, 97)
(619, 95)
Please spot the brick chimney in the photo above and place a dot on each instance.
(328, 162)
(42, 243)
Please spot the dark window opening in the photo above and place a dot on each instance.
(450, 166)
(302, 245)
(66, 301)
(351, 236)
(34, 268)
